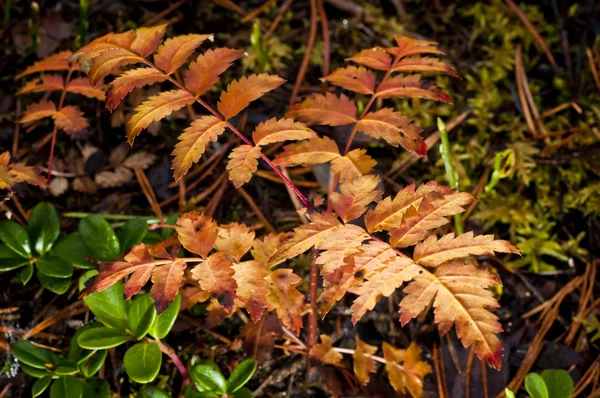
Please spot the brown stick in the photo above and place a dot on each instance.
(312, 34)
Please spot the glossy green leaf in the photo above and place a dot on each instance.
(240, 375)
(99, 237)
(32, 355)
(165, 321)
(208, 377)
(15, 237)
(101, 337)
(142, 362)
(108, 305)
(77, 353)
(95, 387)
(146, 323)
(71, 248)
(152, 392)
(43, 227)
(9, 264)
(137, 308)
(26, 274)
(54, 266)
(93, 364)
(40, 385)
(66, 367)
(56, 285)
(66, 387)
(535, 386)
(132, 233)
(558, 382)
(243, 393)
(34, 372)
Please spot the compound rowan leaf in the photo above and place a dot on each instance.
(263, 250)
(38, 111)
(424, 64)
(357, 79)
(389, 213)
(461, 297)
(108, 61)
(197, 233)
(70, 118)
(81, 85)
(55, 62)
(130, 80)
(175, 51)
(337, 244)
(215, 275)
(285, 298)
(431, 214)
(411, 86)
(243, 162)
(102, 44)
(382, 283)
(408, 376)
(353, 164)
(325, 353)
(374, 58)
(11, 174)
(45, 83)
(354, 196)
(155, 108)
(165, 283)
(407, 46)
(305, 237)
(252, 287)
(138, 263)
(148, 39)
(433, 252)
(234, 240)
(325, 109)
(393, 128)
(241, 92)
(193, 141)
(205, 71)
(364, 364)
(308, 153)
(274, 130)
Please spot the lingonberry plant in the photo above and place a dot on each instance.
(438, 272)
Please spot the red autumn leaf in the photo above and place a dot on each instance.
(241, 92)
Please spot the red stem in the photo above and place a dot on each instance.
(55, 131)
(312, 297)
(309, 46)
(168, 351)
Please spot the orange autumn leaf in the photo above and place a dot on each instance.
(165, 283)
(308, 153)
(234, 240)
(197, 233)
(279, 130)
(38, 111)
(305, 237)
(70, 118)
(412, 87)
(393, 128)
(252, 287)
(109, 60)
(285, 298)
(176, 50)
(81, 85)
(130, 80)
(55, 62)
(364, 364)
(357, 79)
(374, 58)
(354, 196)
(11, 174)
(337, 244)
(352, 165)
(433, 252)
(325, 353)
(424, 64)
(408, 376)
(325, 109)
(193, 141)
(156, 108)
(102, 44)
(407, 46)
(263, 250)
(243, 162)
(240, 93)
(45, 83)
(205, 71)
(461, 296)
(215, 275)
(148, 39)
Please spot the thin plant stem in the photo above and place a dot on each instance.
(450, 170)
(55, 130)
(168, 351)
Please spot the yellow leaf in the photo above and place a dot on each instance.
(364, 364)
(243, 162)
(353, 164)
(408, 376)
(285, 298)
(325, 353)
(274, 130)
(252, 288)
(234, 240)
